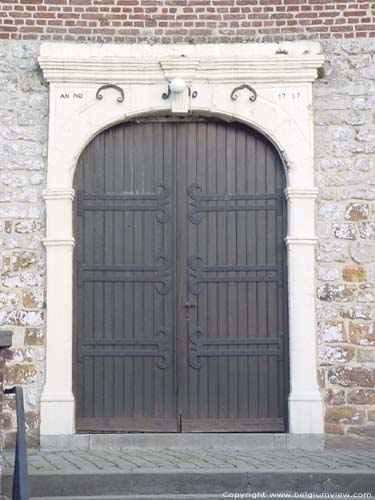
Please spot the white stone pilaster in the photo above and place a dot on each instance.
(57, 405)
(305, 404)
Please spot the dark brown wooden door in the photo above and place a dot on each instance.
(180, 292)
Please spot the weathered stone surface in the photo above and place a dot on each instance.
(16, 374)
(333, 397)
(362, 333)
(365, 356)
(340, 165)
(344, 230)
(28, 226)
(331, 211)
(7, 422)
(348, 376)
(332, 332)
(34, 337)
(363, 430)
(329, 355)
(18, 261)
(25, 50)
(357, 211)
(356, 118)
(367, 229)
(21, 318)
(33, 298)
(367, 296)
(354, 274)
(362, 396)
(22, 279)
(336, 293)
(321, 378)
(344, 415)
(364, 164)
(8, 299)
(355, 194)
(362, 251)
(328, 273)
(333, 429)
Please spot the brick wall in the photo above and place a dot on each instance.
(176, 21)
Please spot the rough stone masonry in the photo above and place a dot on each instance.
(344, 104)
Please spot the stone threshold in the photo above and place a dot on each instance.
(187, 440)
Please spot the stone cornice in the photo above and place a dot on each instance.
(303, 192)
(59, 242)
(256, 63)
(58, 194)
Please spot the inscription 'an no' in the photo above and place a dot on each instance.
(75, 95)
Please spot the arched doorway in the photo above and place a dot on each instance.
(180, 306)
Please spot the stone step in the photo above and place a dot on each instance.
(178, 482)
(236, 440)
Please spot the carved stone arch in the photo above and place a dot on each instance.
(281, 111)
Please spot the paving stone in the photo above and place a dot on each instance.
(196, 458)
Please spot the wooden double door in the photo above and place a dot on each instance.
(180, 299)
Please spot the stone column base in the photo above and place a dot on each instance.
(57, 415)
(306, 414)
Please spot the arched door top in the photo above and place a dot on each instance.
(282, 111)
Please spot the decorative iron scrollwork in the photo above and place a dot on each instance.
(204, 274)
(158, 347)
(99, 95)
(127, 201)
(147, 273)
(253, 92)
(166, 95)
(229, 202)
(203, 347)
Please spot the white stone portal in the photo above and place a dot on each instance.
(281, 75)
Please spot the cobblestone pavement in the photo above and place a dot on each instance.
(197, 459)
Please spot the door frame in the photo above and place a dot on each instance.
(79, 109)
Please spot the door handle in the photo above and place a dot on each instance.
(189, 306)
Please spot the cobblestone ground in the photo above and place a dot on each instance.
(197, 459)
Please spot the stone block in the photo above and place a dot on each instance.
(363, 430)
(336, 293)
(351, 376)
(362, 251)
(334, 397)
(367, 229)
(344, 415)
(362, 396)
(20, 374)
(332, 355)
(344, 230)
(332, 331)
(354, 274)
(328, 273)
(18, 261)
(34, 337)
(331, 211)
(357, 211)
(362, 333)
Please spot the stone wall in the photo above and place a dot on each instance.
(23, 149)
(344, 99)
(344, 103)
